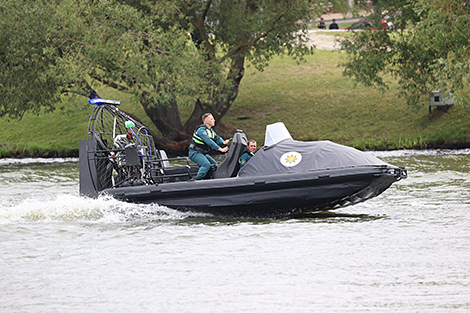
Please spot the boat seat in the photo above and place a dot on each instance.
(166, 172)
(164, 157)
(231, 165)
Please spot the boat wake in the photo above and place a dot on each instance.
(71, 208)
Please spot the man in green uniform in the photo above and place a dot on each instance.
(203, 141)
(249, 152)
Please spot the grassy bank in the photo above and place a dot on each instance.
(316, 102)
(313, 99)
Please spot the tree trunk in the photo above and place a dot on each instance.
(167, 119)
(219, 108)
(234, 76)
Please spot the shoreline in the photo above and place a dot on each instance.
(17, 152)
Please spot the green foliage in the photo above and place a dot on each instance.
(428, 50)
(228, 33)
(119, 46)
(446, 28)
(27, 77)
(140, 47)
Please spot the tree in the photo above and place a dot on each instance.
(168, 54)
(428, 49)
(27, 69)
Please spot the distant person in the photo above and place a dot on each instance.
(248, 154)
(333, 25)
(203, 141)
(322, 25)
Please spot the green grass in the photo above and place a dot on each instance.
(313, 99)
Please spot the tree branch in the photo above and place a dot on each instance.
(260, 36)
(109, 83)
(199, 25)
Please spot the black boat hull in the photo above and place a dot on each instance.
(268, 195)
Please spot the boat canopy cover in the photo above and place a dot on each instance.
(275, 133)
(292, 156)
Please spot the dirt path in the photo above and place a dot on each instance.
(323, 41)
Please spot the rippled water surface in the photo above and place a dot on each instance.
(404, 251)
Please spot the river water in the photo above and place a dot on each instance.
(404, 251)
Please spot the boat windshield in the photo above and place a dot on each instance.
(275, 133)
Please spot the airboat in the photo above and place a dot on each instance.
(285, 176)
